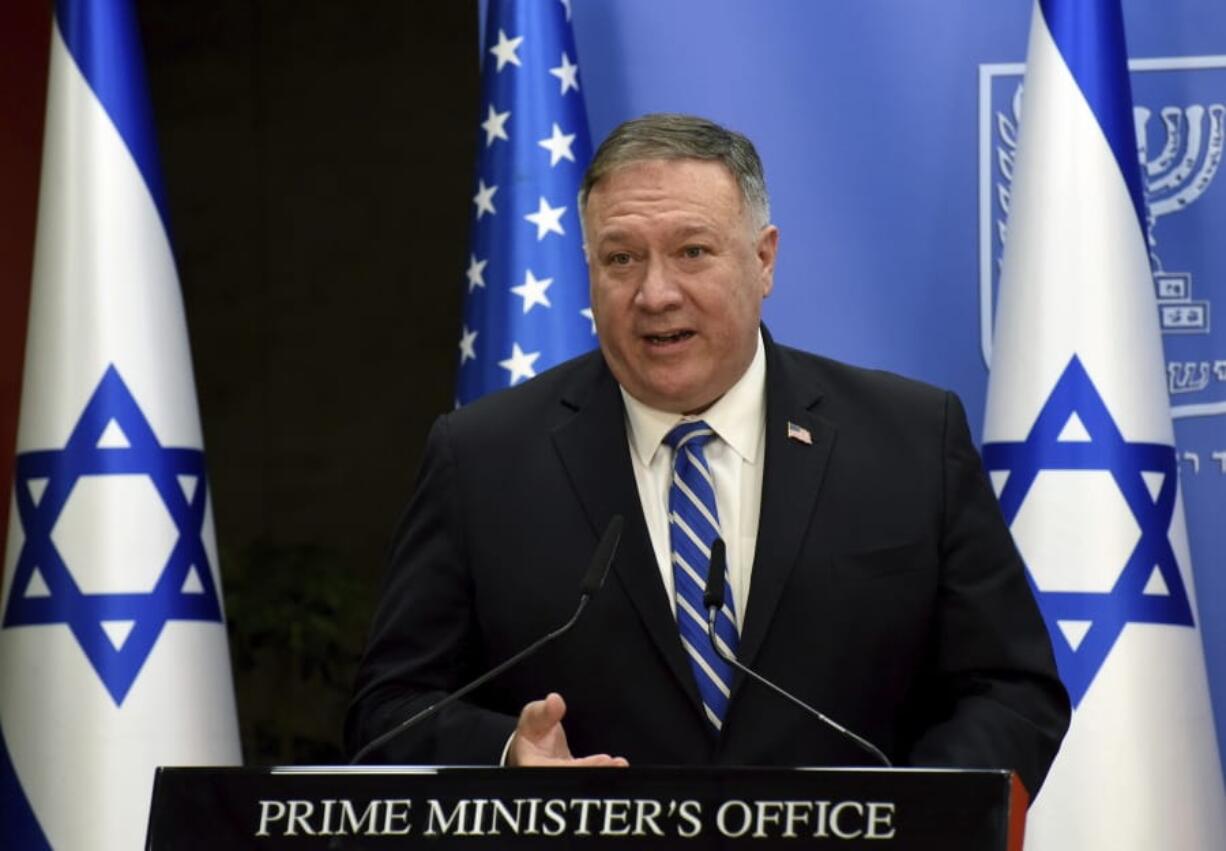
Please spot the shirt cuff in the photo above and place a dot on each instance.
(506, 749)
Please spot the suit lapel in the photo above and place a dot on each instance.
(593, 448)
(791, 481)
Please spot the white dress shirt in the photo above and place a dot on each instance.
(735, 456)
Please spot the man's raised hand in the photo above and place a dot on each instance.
(539, 739)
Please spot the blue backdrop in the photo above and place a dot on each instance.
(881, 123)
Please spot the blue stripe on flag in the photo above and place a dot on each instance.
(17, 823)
(1090, 36)
(103, 37)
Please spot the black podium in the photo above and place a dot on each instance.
(692, 808)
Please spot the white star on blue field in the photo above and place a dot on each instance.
(1126, 602)
(44, 591)
(526, 304)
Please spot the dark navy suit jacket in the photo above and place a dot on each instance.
(886, 589)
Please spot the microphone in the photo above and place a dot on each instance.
(713, 599)
(593, 581)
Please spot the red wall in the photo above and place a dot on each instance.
(25, 35)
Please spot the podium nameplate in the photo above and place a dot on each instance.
(696, 808)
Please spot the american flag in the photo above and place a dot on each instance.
(526, 296)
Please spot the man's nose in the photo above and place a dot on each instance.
(658, 290)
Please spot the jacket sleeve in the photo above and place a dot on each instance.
(422, 642)
(995, 699)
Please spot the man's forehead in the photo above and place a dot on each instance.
(675, 227)
(668, 188)
(662, 168)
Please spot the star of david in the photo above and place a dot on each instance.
(44, 591)
(1126, 602)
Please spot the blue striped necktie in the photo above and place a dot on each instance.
(693, 524)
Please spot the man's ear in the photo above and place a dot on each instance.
(766, 249)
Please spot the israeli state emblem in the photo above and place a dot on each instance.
(1180, 120)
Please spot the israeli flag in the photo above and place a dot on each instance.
(1079, 444)
(113, 655)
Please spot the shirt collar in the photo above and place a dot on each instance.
(738, 417)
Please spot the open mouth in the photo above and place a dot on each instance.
(671, 338)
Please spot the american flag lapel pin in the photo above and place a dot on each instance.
(799, 434)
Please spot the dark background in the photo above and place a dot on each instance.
(318, 159)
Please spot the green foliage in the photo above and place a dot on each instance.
(297, 620)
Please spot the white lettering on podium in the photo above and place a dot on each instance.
(880, 815)
(616, 812)
(269, 811)
(645, 813)
(351, 824)
(690, 812)
(744, 816)
(555, 811)
(396, 817)
(846, 820)
(766, 812)
(299, 812)
(823, 818)
(437, 822)
(798, 813)
(836, 819)
(585, 808)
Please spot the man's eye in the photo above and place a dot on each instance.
(693, 251)
(619, 258)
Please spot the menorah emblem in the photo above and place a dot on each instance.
(1180, 173)
(1176, 177)
(1180, 120)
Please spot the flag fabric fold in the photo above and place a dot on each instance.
(526, 303)
(113, 652)
(1079, 444)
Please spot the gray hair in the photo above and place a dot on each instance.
(673, 136)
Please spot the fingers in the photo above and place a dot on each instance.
(539, 717)
(602, 760)
(594, 761)
(540, 740)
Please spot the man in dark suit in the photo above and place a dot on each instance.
(869, 569)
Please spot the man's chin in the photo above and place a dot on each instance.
(678, 398)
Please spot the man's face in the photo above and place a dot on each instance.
(678, 274)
